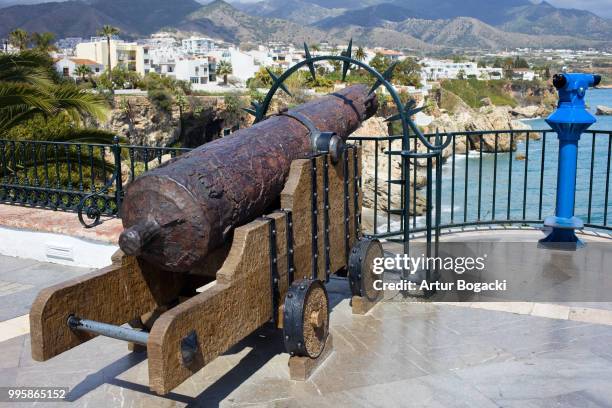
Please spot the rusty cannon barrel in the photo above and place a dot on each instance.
(177, 213)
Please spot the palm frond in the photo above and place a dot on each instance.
(78, 103)
(28, 67)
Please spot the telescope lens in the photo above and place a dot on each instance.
(559, 81)
(596, 80)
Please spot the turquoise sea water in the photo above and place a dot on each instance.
(513, 175)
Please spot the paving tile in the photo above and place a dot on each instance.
(551, 311)
(591, 315)
(14, 327)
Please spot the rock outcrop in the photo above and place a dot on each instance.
(141, 123)
(377, 127)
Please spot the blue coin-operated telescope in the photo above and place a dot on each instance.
(569, 120)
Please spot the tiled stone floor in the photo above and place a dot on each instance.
(399, 355)
(22, 279)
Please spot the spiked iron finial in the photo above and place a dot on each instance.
(311, 66)
(346, 65)
(409, 110)
(256, 111)
(276, 81)
(387, 75)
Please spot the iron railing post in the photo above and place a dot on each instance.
(118, 178)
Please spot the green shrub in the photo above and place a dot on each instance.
(161, 99)
(472, 91)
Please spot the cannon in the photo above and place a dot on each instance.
(176, 214)
(236, 234)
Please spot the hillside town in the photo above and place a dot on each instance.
(215, 66)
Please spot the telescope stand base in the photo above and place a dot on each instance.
(362, 305)
(301, 368)
(562, 239)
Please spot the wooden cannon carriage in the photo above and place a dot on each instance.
(273, 269)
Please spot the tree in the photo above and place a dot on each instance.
(28, 90)
(83, 71)
(224, 68)
(461, 74)
(43, 42)
(109, 31)
(380, 62)
(120, 77)
(520, 63)
(407, 72)
(314, 47)
(360, 55)
(19, 39)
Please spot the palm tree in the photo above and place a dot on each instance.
(27, 90)
(109, 31)
(19, 39)
(43, 42)
(224, 68)
(360, 55)
(35, 103)
(83, 71)
(315, 47)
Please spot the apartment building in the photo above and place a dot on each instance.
(443, 69)
(198, 45)
(127, 54)
(199, 71)
(243, 64)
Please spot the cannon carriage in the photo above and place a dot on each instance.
(240, 232)
(271, 269)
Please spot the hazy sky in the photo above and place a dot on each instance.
(600, 7)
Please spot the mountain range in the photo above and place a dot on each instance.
(415, 24)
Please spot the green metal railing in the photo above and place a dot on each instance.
(486, 184)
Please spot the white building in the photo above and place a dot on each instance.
(444, 69)
(66, 66)
(198, 45)
(199, 71)
(523, 73)
(490, 73)
(129, 55)
(243, 64)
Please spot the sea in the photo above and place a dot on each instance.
(512, 200)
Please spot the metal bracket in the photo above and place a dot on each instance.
(189, 347)
(289, 237)
(274, 277)
(347, 232)
(322, 142)
(314, 218)
(356, 179)
(326, 216)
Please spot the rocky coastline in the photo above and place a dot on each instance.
(446, 113)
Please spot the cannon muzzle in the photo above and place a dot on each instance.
(133, 239)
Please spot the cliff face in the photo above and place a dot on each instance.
(136, 119)
(140, 122)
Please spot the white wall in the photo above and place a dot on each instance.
(55, 248)
(243, 64)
